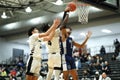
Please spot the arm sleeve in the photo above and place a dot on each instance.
(65, 13)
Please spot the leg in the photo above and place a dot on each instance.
(33, 67)
(51, 63)
(57, 66)
(57, 74)
(74, 74)
(35, 78)
(28, 77)
(66, 75)
(49, 74)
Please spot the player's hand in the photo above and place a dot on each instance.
(67, 9)
(57, 22)
(89, 34)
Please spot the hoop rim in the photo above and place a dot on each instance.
(83, 4)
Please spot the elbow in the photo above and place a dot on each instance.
(82, 46)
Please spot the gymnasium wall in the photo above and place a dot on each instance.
(95, 43)
(6, 49)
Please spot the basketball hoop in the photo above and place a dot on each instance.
(83, 11)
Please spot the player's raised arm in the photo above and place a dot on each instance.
(52, 28)
(84, 42)
(69, 8)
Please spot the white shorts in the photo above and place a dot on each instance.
(33, 66)
(54, 60)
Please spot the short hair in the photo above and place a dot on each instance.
(69, 28)
(30, 31)
(66, 27)
(45, 27)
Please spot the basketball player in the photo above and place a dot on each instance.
(35, 40)
(54, 56)
(67, 49)
(54, 49)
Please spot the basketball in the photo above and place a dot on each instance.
(72, 6)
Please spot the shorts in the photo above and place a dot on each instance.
(68, 63)
(33, 66)
(54, 60)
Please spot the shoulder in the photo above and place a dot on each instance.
(70, 38)
(34, 36)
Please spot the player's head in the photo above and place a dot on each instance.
(68, 30)
(63, 31)
(45, 27)
(32, 30)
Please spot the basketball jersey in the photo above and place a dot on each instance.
(53, 45)
(35, 45)
(68, 47)
(68, 61)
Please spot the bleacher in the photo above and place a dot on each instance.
(114, 66)
(8, 78)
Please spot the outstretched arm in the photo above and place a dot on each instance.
(49, 37)
(84, 42)
(65, 17)
(52, 28)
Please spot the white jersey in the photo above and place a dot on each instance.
(64, 47)
(35, 45)
(54, 47)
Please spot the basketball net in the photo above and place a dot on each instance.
(83, 11)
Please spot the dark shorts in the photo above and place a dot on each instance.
(69, 63)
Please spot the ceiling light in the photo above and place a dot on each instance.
(106, 31)
(4, 15)
(37, 20)
(11, 26)
(59, 2)
(28, 9)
